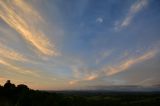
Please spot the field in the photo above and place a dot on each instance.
(79, 98)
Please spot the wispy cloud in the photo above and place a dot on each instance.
(88, 77)
(124, 65)
(73, 82)
(17, 69)
(84, 74)
(25, 20)
(134, 9)
(91, 77)
(11, 54)
(99, 20)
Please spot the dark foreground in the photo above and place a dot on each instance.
(23, 96)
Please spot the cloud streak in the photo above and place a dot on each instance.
(85, 75)
(91, 77)
(88, 77)
(112, 70)
(134, 9)
(11, 54)
(18, 15)
(17, 69)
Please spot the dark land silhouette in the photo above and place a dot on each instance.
(22, 95)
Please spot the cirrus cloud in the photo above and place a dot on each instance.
(25, 20)
(134, 9)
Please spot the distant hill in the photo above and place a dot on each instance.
(131, 88)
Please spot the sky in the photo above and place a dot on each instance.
(80, 44)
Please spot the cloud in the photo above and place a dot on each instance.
(11, 54)
(103, 55)
(73, 82)
(134, 9)
(87, 75)
(99, 20)
(91, 77)
(26, 21)
(129, 63)
(17, 69)
(146, 81)
(27, 8)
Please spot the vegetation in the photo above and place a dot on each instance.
(21, 95)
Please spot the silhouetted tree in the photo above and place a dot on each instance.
(9, 89)
(22, 88)
(8, 85)
(1, 88)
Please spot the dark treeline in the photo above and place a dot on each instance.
(21, 95)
